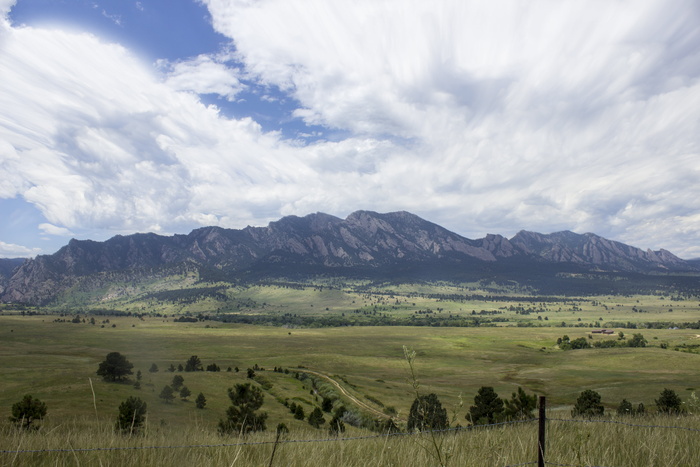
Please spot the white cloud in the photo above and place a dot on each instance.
(481, 117)
(10, 250)
(203, 75)
(511, 115)
(50, 229)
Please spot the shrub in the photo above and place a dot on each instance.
(588, 404)
(26, 411)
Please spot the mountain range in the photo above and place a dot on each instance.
(365, 244)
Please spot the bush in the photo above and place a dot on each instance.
(132, 414)
(625, 408)
(26, 411)
(588, 405)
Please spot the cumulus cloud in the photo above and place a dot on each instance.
(538, 116)
(203, 74)
(10, 250)
(481, 117)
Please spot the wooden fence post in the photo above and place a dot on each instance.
(541, 433)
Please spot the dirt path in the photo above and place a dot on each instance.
(360, 403)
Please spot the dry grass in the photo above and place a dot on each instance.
(569, 443)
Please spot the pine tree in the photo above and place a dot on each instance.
(26, 411)
(241, 416)
(167, 394)
(132, 414)
(200, 401)
(488, 407)
(115, 367)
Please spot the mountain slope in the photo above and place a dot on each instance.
(319, 243)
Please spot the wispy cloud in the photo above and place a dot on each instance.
(482, 117)
(50, 229)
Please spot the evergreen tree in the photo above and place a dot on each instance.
(299, 412)
(327, 404)
(200, 401)
(26, 411)
(153, 369)
(193, 364)
(132, 414)
(167, 394)
(241, 416)
(669, 402)
(316, 418)
(177, 382)
(115, 367)
(427, 414)
(336, 426)
(588, 404)
(488, 407)
(625, 408)
(520, 406)
(185, 393)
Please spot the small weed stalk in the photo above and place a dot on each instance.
(435, 448)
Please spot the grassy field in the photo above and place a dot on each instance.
(55, 360)
(567, 444)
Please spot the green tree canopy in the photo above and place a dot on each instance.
(637, 340)
(26, 411)
(427, 414)
(115, 367)
(488, 407)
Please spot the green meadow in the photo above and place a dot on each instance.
(55, 359)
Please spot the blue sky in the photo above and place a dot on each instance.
(485, 117)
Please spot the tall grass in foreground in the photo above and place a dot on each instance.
(571, 443)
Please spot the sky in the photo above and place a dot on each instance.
(484, 117)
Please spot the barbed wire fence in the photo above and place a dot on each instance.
(542, 420)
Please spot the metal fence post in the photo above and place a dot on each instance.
(541, 433)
